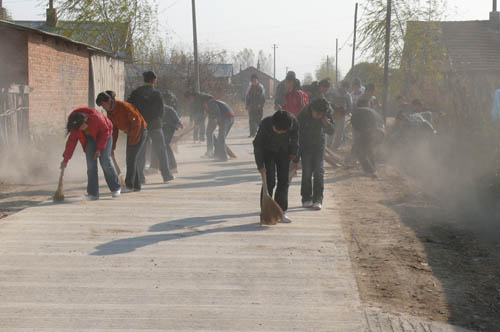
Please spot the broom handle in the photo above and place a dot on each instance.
(117, 168)
(61, 176)
(264, 185)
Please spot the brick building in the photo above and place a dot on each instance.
(61, 74)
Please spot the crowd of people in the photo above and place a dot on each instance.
(307, 121)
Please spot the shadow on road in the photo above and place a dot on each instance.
(123, 246)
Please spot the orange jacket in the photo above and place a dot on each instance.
(126, 117)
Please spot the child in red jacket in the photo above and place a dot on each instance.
(94, 131)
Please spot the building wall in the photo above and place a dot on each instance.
(58, 73)
(13, 57)
(241, 81)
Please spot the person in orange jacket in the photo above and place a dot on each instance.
(126, 117)
(94, 131)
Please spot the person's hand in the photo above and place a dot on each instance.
(293, 157)
(326, 121)
(63, 164)
(262, 171)
(97, 155)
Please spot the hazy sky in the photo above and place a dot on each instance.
(304, 31)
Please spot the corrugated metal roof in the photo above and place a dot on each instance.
(219, 70)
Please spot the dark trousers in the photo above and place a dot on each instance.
(277, 165)
(159, 148)
(312, 167)
(199, 130)
(220, 144)
(168, 133)
(363, 148)
(211, 125)
(106, 164)
(254, 118)
(133, 179)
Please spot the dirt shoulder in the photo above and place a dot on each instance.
(410, 255)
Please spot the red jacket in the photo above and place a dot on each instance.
(100, 128)
(295, 102)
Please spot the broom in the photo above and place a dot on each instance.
(183, 133)
(59, 195)
(270, 211)
(119, 171)
(293, 171)
(230, 152)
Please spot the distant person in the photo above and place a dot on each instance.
(315, 122)
(275, 145)
(197, 115)
(295, 98)
(221, 115)
(255, 100)
(94, 131)
(341, 101)
(357, 90)
(368, 132)
(126, 117)
(368, 98)
(281, 90)
(318, 89)
(149, 102)
(171, 122)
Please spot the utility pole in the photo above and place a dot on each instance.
(286, 70)
(195, 44)
(274, 59)
(386, 59)
(355, 33)
(327, 66)
(336, 62)
(494, 5)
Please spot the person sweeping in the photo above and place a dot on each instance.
(126, 117)
(94, 131)
(275, 144)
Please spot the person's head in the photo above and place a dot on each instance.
(370, 89)
(190, 96)
(105, 100)
(345, 85)
(324, 85)
(282, 122)
(319, 107)
(77, 121)
(149, 77)
(417, 106)
(290, 81)
(254, 79)
(356, 85)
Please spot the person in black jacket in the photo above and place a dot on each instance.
(171, 122)
(149, 102)
(315, 122)
(255, 100)
(275, 144)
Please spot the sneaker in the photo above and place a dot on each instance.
(116, 193)
(317, 206)
(307, 204)
(126, 190)
(168, 179)
(286, 219)
(91, 197)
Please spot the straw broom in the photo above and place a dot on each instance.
(230, 152)
(270, 211)
(59, 195)
(119, 171)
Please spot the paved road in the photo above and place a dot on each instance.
(186, 256)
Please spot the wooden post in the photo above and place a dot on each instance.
(355, 32)
(386, 59)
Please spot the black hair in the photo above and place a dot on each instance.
(370, 87)
(75, 121)
(290, 76)
(345, 84)
(320, 105)
(149, 76)
(103, 97)
(282, 120)
(111, 93)
(254, 76)
(326, 82)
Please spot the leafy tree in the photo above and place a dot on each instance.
(326, 69)
(121, 26)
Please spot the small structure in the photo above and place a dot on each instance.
(61, 73)
(241, 81)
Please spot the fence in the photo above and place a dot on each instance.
(14, 115)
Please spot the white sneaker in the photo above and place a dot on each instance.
(116, 193)
(307, 204)
(317, 206)
(286, 219)
(92, 197)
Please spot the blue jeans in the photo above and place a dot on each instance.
(220, 144)
(168, 134)
(210, 136)
(160, 149)
(133, 180)
(106, 165)
(312, 166)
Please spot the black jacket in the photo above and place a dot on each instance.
(312, 133)
(149, 102)
(170, 118)
(268, 140)
(219, 111)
